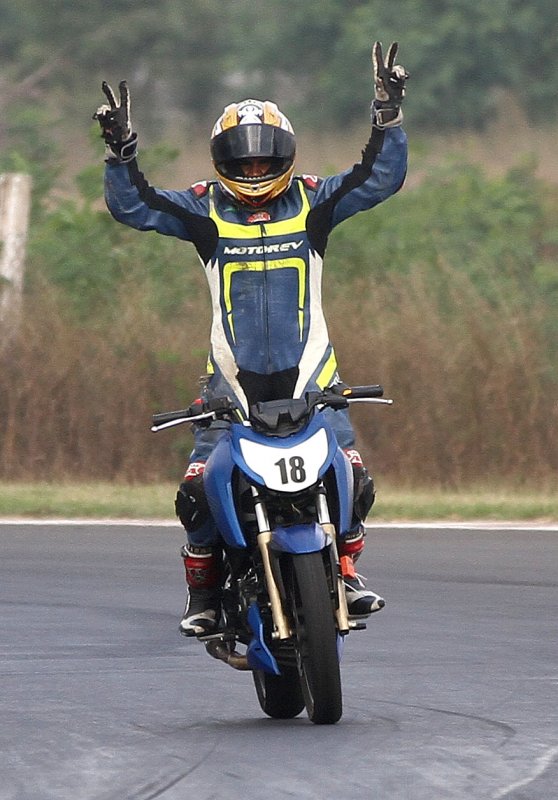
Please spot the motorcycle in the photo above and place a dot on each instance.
(280, 490)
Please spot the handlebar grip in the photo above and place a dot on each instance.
(199, 411)
(169, 416)
(363, 392)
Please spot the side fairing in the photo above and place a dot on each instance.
(344, 482)
(217, 480)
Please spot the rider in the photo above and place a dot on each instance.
(261, 233)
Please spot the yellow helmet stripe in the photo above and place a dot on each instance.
(230, 117)
(270, 115)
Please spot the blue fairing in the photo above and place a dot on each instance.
(344, 480)
(258, 653)
(299, 539)
(227, 454)
(318, 421)
(217, 480)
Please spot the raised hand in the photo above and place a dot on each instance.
(389, 86)
(116, 128)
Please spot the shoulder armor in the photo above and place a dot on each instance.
(311, 181)
(200, 188)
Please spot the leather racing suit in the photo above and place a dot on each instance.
(264, 269)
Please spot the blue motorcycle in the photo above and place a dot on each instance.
(280, 489)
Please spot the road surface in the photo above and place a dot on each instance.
(450, 693)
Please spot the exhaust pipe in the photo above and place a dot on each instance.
(220, 651)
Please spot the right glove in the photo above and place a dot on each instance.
(116, 129)
(389, 87)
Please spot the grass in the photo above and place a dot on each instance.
(468, 504)
(109, 500)
(91, 500)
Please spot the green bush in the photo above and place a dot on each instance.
(78, 248)
(498, 232)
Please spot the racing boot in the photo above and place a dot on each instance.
(361, 602)
(203, 567)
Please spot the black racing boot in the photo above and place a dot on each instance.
(203, 567)
(202, 612)
(361, 602)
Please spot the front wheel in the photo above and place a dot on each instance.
(316, 638)
(280, 696)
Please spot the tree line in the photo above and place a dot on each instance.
(188, 59)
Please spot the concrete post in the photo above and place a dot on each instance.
(15, 205)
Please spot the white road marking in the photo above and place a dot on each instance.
(541, 765)
(444, 525)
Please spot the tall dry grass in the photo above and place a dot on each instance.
(76, 401)
(474, 398)
(474, 389)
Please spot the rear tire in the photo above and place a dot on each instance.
(280, 696)
(316, 635)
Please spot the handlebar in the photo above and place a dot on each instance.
(335, 397)
(217, 407)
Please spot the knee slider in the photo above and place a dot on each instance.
(191, 504)
(365, 493)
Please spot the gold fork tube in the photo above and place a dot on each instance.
(342, 612)
(280, 622)
(282, 629)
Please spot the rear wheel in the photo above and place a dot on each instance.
(316, 635)
(280, 696)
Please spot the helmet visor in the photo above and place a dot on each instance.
(253, 141)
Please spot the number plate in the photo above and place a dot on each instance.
(287, 469)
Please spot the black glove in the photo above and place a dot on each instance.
(389, 87)
(115, 124)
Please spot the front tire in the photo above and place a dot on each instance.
(316, 634)
(280, 696)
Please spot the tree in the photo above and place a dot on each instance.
(312, 57)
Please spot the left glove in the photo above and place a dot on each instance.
(389, 87)
(116, 128)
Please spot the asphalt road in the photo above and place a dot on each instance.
(450, 693)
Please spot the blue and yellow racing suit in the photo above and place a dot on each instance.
(264, 266)
(269, 338)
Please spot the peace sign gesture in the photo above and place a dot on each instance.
(116, 128)
(389, 86)
(114, 118)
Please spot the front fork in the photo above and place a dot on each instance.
(282, 629)
(341, 611)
